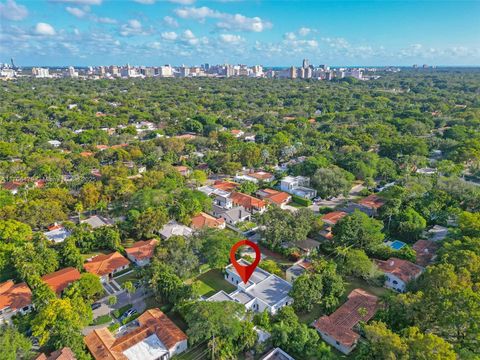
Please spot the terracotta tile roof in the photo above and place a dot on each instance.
(402, 269)
(102, 344)
(236, 132)
(372, 201)
(261, 175)
(102, 147)
(104, 264)
(142, 249)
(86, 153)
(55, 227)
(333, 217)
(60, 279)
(12, 185)
(186, 136)
(118, 146)
(181, 169)
(205, 220)
(14, 296)
(225, 185)
(276, 197)
(425, 250)
(247, 201)
(339, 325)
(62, 354)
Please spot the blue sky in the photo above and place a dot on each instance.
(275, 33)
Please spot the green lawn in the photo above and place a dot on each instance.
(213, 281)
(133, 276)
(195, 353)
(104, 319)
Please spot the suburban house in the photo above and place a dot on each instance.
(372, 202)
(437, 233)
(425, 252)
(398, 272)
(54, 143)
(183, 170)
(56, 233)
(250, 203)
(255, 176)
(14, 299)
(237, 133)
(61, 279)
(222, 198)
(329, 221)
(97, 221)
(62, 354)
(141, 252)
(279, 198)
(225, 185)
(297, 269)
(337, 329)
(277, 354)
(231, 216)
(106, 265)
(264, 291)
(173, 228)
(307, 245)
(299, 186)
(155, 337)
(204, 220)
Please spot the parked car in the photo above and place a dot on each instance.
(96, 305)
(128, 313)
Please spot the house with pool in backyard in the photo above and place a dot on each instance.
(264, 291)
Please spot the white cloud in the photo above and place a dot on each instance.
(237, 22)
(231, 39)
(77, 12)
(103, 20)
(44, 29)
(289, 36)
(170, 21)
(13, 11)
(169, 35)
(304, 31)
(188, 34)
(145, 2)
(132, 27)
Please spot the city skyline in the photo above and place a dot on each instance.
(150, 33)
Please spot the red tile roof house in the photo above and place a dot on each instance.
(106, 265)
(204, 220)
(142, 252)
(425, 251)
(274, 197)
(250, 203)
(62, 354)
(183, 170)
(225, 185)
(156, 337)
(372, 202)
(398, 273)
(330, 220)
(61, 279)
(337, 328)
(14, 299)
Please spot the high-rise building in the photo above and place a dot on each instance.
(40, 72)
(292, 72)
(306, 63)
(71, 73)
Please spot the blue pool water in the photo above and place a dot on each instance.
(397, 245)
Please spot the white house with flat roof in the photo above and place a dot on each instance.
(264, 291)
(299, 186)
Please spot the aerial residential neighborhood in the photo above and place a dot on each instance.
(239, 180)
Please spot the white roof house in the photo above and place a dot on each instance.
(277, 354)
(298, 185)
(57, 234)
(174, 228)
(264, 291)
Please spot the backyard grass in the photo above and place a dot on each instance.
(213, 281)
(204, 289)
(104, 319)
(195, 353)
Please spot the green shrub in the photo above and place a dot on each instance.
(301, 201)
(114, 327)
(130, 318)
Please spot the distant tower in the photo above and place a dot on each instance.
(13, 64)
(306, 63)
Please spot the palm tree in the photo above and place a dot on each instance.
(129, 288)
(112, 300)
(79, 210)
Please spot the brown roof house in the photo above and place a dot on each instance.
(279, 198)
(330, 221)
(62, 354)
(155, 337)
(14, 299)
(59, 280)
(204, 220)
(106, 265)
(250, 203)
(371, 204)
(337, 328)
(398, 273)
(142, 252)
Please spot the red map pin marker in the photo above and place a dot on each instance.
(245, 271)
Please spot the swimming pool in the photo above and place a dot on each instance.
(397, 244)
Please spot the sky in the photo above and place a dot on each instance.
(268, 33)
